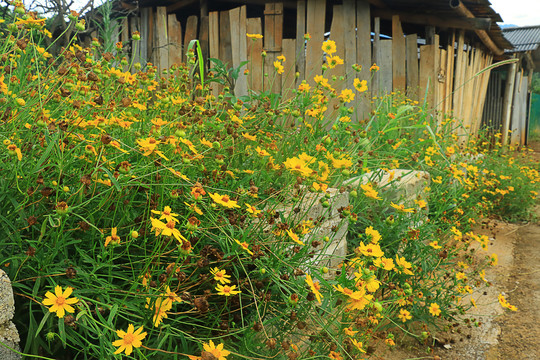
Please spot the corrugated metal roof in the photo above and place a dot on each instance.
(526, 38)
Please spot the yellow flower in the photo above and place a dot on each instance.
(403, 265)
(374, 234)
(254, 36)
(281, 58)
(370, 192)
(115, 239)
(334, 61)
(347, 96)
(360, 86)
(297, 165)
(166, 214)
(129, 340)
(315, 287)
(374, 67)
(279, 68)
(249, 137)
(385, 263)
(220, 275)
(435, 244)
(170, 297)
(217, 352)
(252, 209)
(505, 304)
(59, 301)
(295, 237)
(401, 208)
(434, 309)
(167, 229)
(369, 250)
(404, 315)
(224, 200)
(261, 152)
(160, 308)
(329, 47)
(227, 290)
(244, 246)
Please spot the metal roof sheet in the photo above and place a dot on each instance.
(526, 38)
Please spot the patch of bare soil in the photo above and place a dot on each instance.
(500, 335)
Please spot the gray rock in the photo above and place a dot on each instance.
(8, 332)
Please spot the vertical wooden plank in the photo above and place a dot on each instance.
(384, 54)
(338, 72)
(441, 83)
(467, 91)
(213, 37)
(175, 40)
(145, 34)
(337, 34)
(136, 48)
(483, 92)
(288, 78)
(363, 53)
(349, 41)
(151, 32)
(398, 55)
(300, 41)
(254, 52)
(204, 38)
(459, 74)
(426, 77)
(273, 35)
(225, 54)
(237, 18)
(316, 16)
(124, 37)
(213, 40)
(192, 25)
(411, 43)
(450, 54)
(234, 21)
(376, 54)
(436, 68)
(162, 39)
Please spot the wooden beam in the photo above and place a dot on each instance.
(316, 16)
(458, 6)
(434, 20)
(180, 4)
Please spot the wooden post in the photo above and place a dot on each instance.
(191, 31)
(507, 102)
(300, 41)
(254, 53)
(237, 18)
(376, 54)
(363, 54)
(411, 43)
(175, 40)
(273, 35)
(162, 39)
(316, 16)
(398, 55)
(288, 78)
(349, 41)
(145, 35)
(136, 48)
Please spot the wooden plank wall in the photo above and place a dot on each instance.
(447, 78)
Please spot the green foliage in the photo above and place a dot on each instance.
(210, 223)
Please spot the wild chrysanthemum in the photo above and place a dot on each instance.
(224, 200)
(129, 339)
(220, 275)
(59, 301)
(227, 290)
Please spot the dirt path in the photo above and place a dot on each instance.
(501, 335)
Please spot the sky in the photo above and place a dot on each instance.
(518, 12)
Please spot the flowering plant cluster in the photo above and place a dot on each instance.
(144, 217)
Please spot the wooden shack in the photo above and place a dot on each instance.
(429, 49)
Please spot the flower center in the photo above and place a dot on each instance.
(128, 339)
(170, 225)
(225, 198)
(60, 300)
